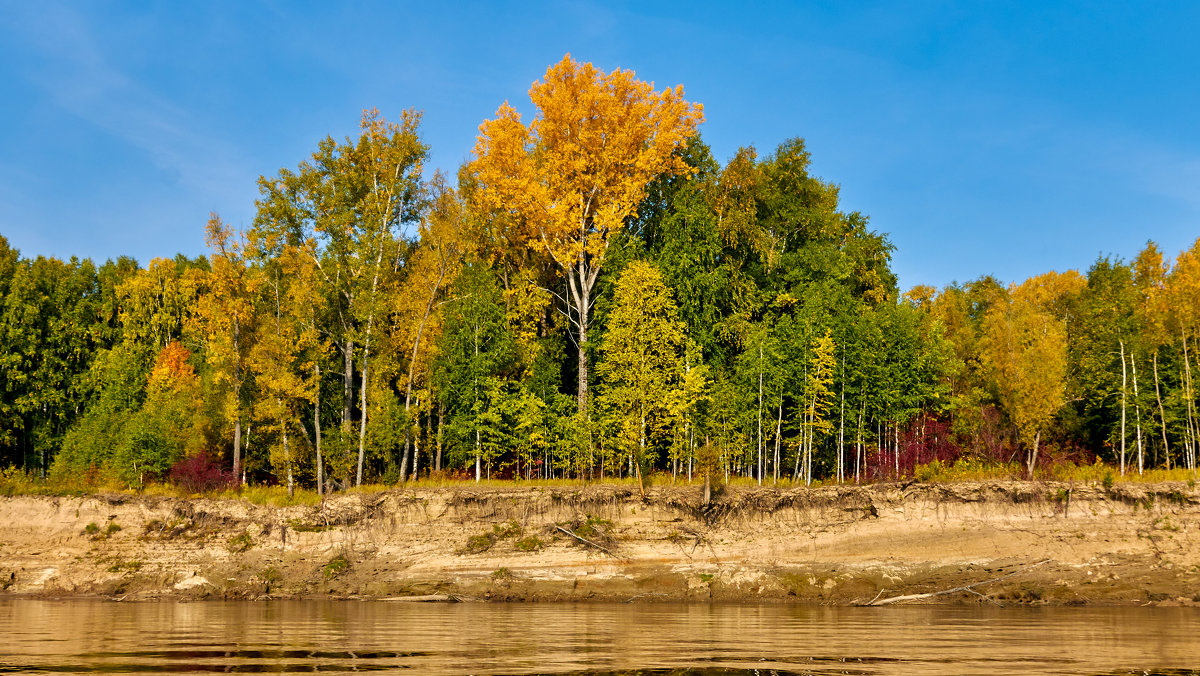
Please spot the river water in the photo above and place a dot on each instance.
(343, 636)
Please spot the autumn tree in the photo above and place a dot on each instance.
(348, 210)
(280, 356)
(1025, 350)
(1150, 271)
(225, 322)
(818, 399)
(575, 175)
(434, 266)
(643, 367)
(1183, 292)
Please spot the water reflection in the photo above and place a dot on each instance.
(346, 636)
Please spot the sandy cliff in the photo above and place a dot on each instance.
(838, 545)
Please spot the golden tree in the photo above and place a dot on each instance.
(1024, 347)
(225, 321)
(569, 180)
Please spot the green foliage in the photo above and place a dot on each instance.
(930, 472)
(477, 544)
(509, 529)
(529, 543)
(642, 372)
(270, 577)
(591, 528)
(126, 566)
(95, 532)
(240, 543)
(335, 566)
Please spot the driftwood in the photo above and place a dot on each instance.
(588, 542)
(427, 598)
(965, 588)
(631, 599)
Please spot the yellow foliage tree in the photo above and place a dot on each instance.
(570, 179)
(1024, 350)
(224, 321)
(435, 264)
(1183, 294)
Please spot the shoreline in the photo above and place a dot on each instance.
(996, 542)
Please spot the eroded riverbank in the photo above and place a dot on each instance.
(1128, 544)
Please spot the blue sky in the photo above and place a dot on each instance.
(984, 138)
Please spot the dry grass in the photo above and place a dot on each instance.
(14, 481)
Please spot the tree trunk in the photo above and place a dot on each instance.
(362, 428)
(860, 452)
(317, 432)
(1162, 416)
(412, 361)
(1137, 413)
(879, 446)
(441, 421)
(896, 446)
(800, 448)
(416, 453)
(581, 277)
(287, 450)
(237, 451)
(778, 440)
(428, 434)
(1123, 375)
(237, 395)
(582, 399)
(1191, 418)
(1033, 453)
(641, 454)
(347, 384)
(841, 452)
(760, 411)
(404, 454)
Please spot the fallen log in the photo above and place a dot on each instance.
(588, 542)
(965, 588)
(425, 598)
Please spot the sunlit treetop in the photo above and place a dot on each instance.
(577, 172)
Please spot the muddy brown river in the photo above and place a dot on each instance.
(39, 636)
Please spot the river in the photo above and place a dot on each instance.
(42, 636)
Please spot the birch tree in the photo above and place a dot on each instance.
(351, 211)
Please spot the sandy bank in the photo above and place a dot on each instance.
(1131, 544)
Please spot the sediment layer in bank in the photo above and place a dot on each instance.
(1035, 543)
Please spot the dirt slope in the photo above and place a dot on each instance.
(836, 545)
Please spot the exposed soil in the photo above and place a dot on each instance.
(1131, 544)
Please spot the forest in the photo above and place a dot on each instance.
(593, 297)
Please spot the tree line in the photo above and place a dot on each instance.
(594, 296)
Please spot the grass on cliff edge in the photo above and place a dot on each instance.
(14, 481)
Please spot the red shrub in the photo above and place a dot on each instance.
(201, 473)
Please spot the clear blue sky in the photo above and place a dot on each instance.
(984, 138)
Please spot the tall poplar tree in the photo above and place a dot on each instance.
(573, 176)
